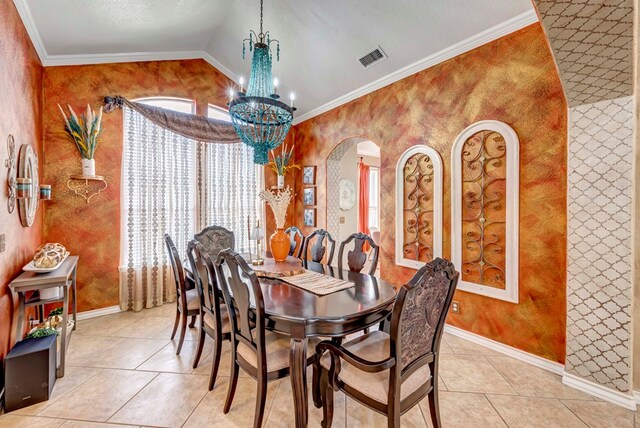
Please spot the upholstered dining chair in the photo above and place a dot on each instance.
(187, 301)
(357, 258)
(214, 318)
(296, 239)
(391, 372)
(263, 355)
(215, 238)
(318, 250)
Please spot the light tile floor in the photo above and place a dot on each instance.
(122, 371)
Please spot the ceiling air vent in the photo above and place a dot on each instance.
(372, 57)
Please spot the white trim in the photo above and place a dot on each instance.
(29, 24)
(636, 396)
(510, 293)
(99, 312)
(437, 204)
(502, 29)
(528, 358)
(628, 401)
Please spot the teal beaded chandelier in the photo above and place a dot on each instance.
(261, 120)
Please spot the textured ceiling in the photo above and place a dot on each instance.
(321, 40)
(592, 41)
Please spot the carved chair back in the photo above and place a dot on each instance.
(357, 258)
(239, 284)
(418, 317)
(178, 273)
(204, 275)
(214, 239)
(318, 250)
(296, 241)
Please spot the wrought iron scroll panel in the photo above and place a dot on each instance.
(418, 207)
(484, 177)
(485, 209)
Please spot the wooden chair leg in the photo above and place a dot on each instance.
(261, 399)
(183, 332)
(327, 400)
(196, 359)
(434, 408)
(193, 321)
(175, 325)
(315, 384)
(233, 381)
(217, 350)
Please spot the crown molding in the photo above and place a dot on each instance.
(477, 40)
(27, 19)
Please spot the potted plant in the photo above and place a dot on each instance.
(279, 241)
(282, 163)
(85, 133)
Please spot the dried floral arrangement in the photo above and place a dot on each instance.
(282, 163)
(83, 131)
(278, 201)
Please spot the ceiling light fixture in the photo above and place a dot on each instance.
(261, 120)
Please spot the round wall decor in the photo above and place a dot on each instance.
(28, 174)
(347, 194)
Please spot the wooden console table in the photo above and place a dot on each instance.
(64, 276)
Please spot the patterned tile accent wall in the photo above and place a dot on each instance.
(599, 243)
(592, 41)
(333, 180)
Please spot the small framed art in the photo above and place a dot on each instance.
(309, 217)
(309, 175)
(309, 195)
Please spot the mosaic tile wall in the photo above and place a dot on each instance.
(599, 243)
(592, 41)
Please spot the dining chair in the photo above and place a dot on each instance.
(214, 318)
(261, 354)
(215, 238)
(357, 258)
(392, 372)
(296, 239)
(319, 249)
(187, 300)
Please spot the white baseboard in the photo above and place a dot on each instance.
(636, 396)
(534, 360)
(99, 312)
(628, 401)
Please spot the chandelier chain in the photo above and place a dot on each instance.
(261, 32)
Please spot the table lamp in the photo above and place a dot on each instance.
(257, 234)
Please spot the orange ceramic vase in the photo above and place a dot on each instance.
(279, 245)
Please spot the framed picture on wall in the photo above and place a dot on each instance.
(309, 217)
(309, 175)
(309, 195)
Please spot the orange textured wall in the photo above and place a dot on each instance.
(513, 80)
(93, 230)
(20, 113)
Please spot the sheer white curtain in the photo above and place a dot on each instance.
(174, 185)
(229, 187)
(158, 197)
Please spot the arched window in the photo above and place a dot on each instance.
(484, 209)
(418, 207)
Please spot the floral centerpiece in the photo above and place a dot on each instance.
(85, 133)
(282, 163)
(279, 202)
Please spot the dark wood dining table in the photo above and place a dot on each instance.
(301, 315)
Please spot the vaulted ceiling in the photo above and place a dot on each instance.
(321, 41)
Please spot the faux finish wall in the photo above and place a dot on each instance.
(20, 115)
(93, 230)
(513, 80)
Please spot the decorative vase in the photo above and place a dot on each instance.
(88, 167)
(279, 245)
(280, 181)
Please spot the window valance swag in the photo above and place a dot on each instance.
(192, 126)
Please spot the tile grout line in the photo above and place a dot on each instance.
(68, 392)
(495, 409)
(574, 413)
(134, 395)
(196, 406)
